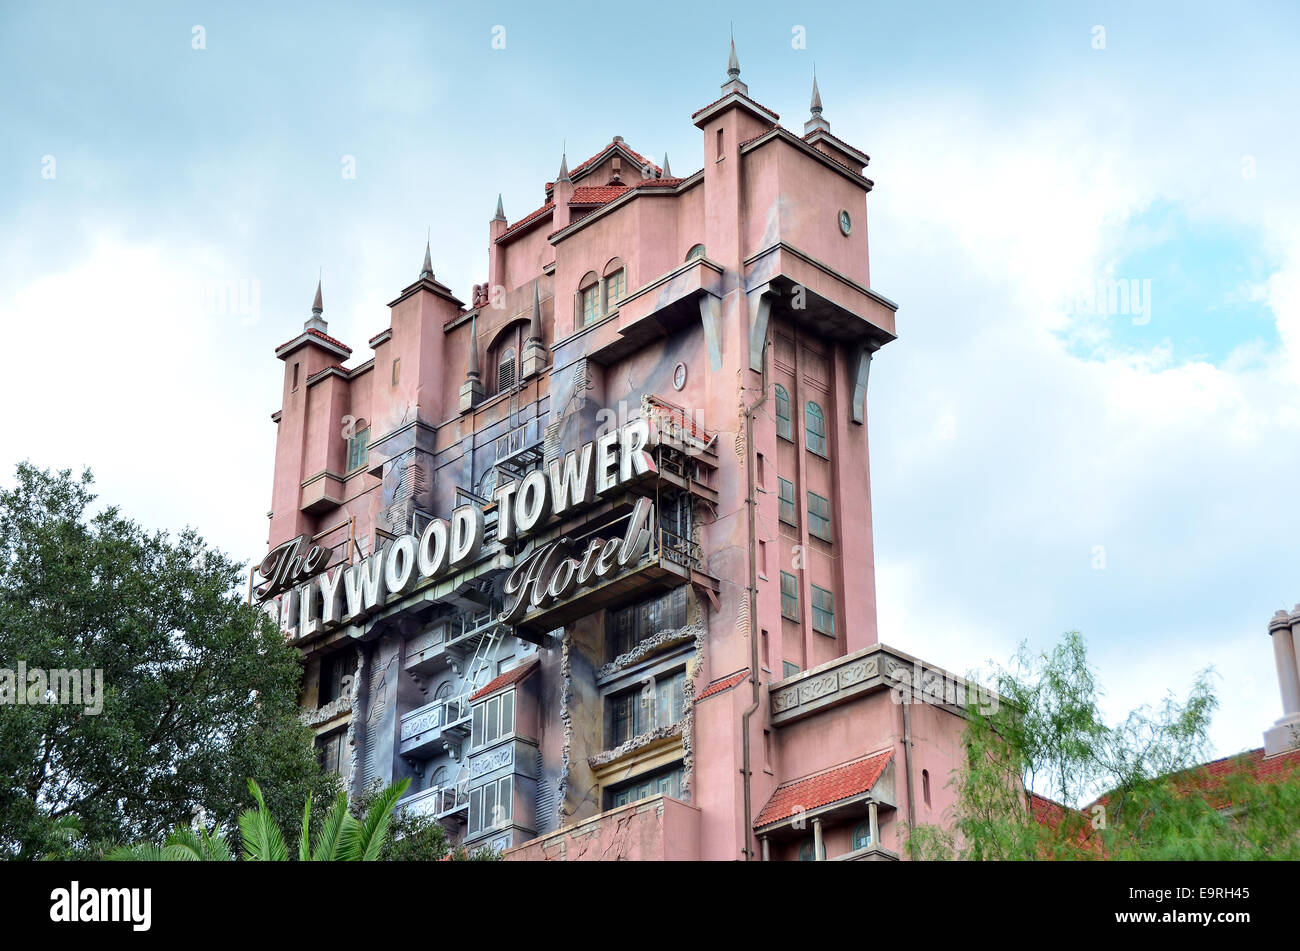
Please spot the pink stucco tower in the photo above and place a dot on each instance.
(721, 696)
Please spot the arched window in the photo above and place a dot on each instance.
(783, 427)
(925, 785)
(444, 690)
(588, 299)
(807, 852)
(814, 422)
(862, 835)
(437, 778)
(695, 253)
(503, 357)
(615, 284)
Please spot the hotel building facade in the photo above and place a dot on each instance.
(589, 558)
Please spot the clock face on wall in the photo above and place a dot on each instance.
(846, 223)
(679, 376)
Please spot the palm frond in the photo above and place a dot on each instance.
(261, 838)
(140, 852)
(373, 831)
(331, 836)
(304, 843)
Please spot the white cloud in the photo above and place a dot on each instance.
(1001, 459)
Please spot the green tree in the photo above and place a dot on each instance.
(1045, 777)
(199, 689)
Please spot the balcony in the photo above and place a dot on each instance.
(448, 804)
(424, 729)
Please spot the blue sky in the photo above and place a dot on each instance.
(1017, 165)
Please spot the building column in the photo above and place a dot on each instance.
(819, 847)
(767, 856)
(873, 823)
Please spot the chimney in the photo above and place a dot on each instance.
(1285, 630)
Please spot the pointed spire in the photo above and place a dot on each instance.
(668, 172)
(316, 321)
(733, 83)
(471, 370)
(501, 210)
(535, 324)
(427, 269)
(564, 168)
(815, 119)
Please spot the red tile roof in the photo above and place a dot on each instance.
(316, 333)
(324, 370)
(528, 219)
(823, 788)
(512, 676)
(581, 166)
(856, 172)
(597, 194)
(742, 96)
(726, 683)
(836, 138)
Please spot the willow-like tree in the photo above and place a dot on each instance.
(200, 691)
(1046, 777)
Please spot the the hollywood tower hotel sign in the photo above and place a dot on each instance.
(307, 595)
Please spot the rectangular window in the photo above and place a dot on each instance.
(657, 703)
(719, 155)
(330, 748)
(667, 782)
(789, 596)
(359, 449)
(819, 517)
(629, 626)
(492, 719)
(491, 806)
(788, 669)
(785, 493)
(336, 673)
(823, 611)
(615, 288)
(590, 304)
(397, 370)
(295, 376)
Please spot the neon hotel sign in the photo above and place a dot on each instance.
(315, 597)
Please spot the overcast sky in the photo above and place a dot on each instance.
(1037, 467)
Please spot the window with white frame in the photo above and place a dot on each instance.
(492, 719)
(491, 806)
(359, 449)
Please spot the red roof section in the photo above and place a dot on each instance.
(316, 333)
(528, 219)
(597, 194)
(604, 150)
(823, 788)
(742, 96)
(835, 138)
(726, 683)
(512, 676)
